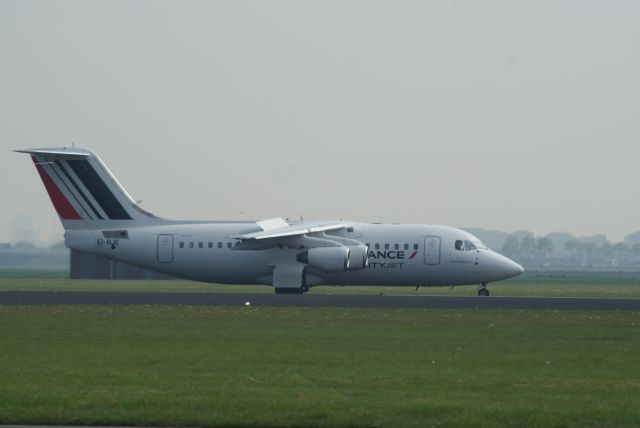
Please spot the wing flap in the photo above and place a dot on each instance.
(289, 230)
(272, 224)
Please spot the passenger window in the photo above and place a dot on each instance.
(219, 244)
(406, 246)
(386, 246)
(210, 244)
(229, 244)
(200, 245)
(396, 246)
(377, 246)
(349, 229)
(281, 246)
(415, 246)
(190, 244)
(458, 245)
(182, 245)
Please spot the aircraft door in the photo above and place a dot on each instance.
(165, 248)
(432, 250)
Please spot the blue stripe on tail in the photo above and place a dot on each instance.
(98, 189)
(80, 192)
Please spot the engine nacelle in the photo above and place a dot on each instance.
(326, 259)
(358, 257)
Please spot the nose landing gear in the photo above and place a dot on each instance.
(482, 290)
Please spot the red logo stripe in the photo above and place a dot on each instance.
(60, 202)
(413, 254)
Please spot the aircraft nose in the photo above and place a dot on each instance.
(498, 267)
(512, 268)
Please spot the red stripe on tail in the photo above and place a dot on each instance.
(60, 202)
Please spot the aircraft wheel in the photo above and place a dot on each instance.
(483, 292)
(300, 290)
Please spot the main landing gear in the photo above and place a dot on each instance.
(482, 290)
(297, 290)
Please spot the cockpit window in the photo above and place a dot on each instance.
(479, 244)
(468, 245)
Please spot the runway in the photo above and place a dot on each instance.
(316, 301)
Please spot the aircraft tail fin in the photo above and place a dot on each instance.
(83, 191)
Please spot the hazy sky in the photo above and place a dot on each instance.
(497, 114)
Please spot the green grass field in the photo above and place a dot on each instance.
(200, 366)
(527, 285)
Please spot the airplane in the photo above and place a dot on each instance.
(101, 218)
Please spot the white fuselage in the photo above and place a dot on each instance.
(418, 255)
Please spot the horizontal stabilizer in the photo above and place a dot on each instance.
(64, 151)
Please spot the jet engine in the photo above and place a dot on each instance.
(326, 259)
(358, 257)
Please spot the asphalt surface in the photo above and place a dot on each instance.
(337, 301)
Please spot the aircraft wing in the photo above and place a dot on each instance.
(279, 228)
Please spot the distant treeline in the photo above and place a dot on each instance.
(58, 246)
(564, 250)
(27, 255)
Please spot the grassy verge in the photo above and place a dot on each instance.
(194, 366)
(551, 286)
(13, 273)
